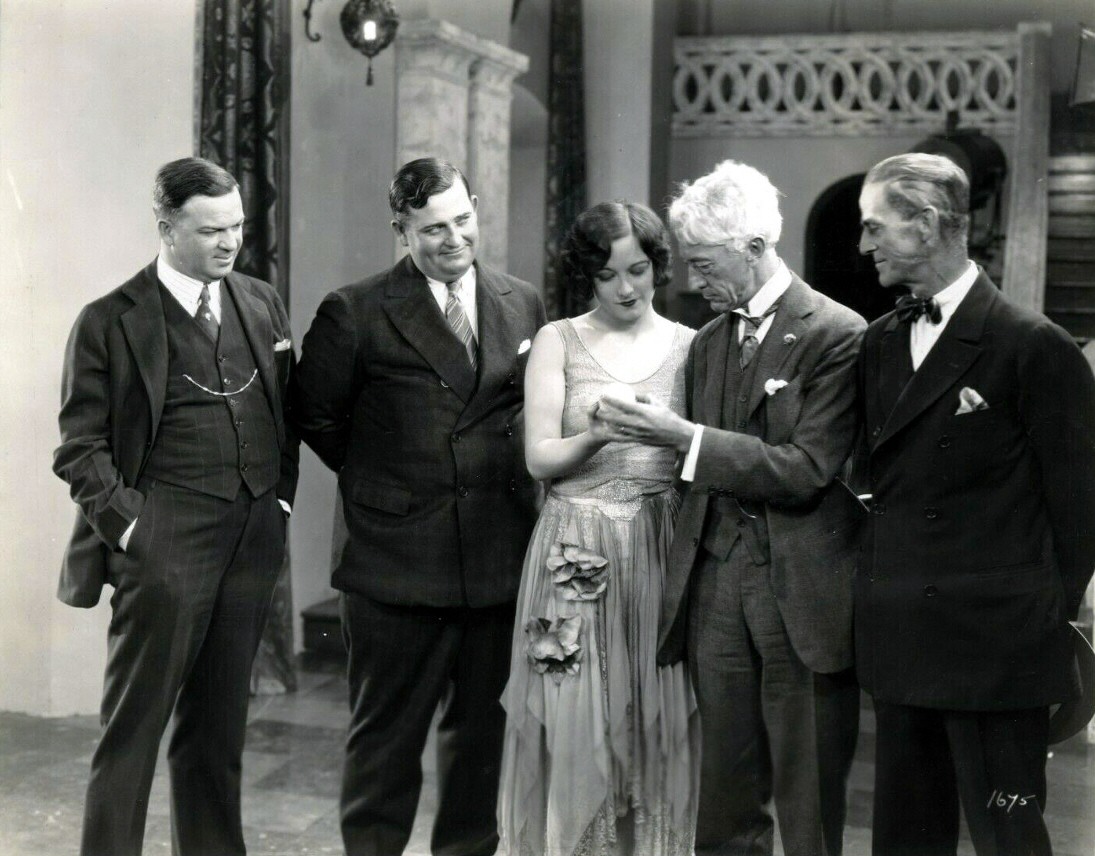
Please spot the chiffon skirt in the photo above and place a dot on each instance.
(601, 751)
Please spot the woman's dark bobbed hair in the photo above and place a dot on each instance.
(588, 244)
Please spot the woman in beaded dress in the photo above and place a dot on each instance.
(601, 748)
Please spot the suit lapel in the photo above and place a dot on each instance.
(788, 326)
(259, 330)
(714, 371)
(498, 340)
(414, 312)
(146, 332)
(957, 349)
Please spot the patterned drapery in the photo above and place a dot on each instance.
(242, 122)
(566, 150)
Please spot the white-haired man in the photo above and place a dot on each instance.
(980, 422)
(759, 585)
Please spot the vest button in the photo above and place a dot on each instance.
(243, 468)
(233, 403)
(463, 491)
(930, 591)
(456, 438)
(244, 444)
(878, 508)
(222, 359)
(944, 442)
(931, 513)
(876, 432)
(743, 398)
(508, 431)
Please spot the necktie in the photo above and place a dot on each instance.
(750, 342)
(458, 321)
(909, 308)
(205, 318)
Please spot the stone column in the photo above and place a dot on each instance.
(453, 93)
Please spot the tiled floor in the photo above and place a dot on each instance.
(291, 779)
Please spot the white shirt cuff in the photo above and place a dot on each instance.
(123, 542)
(688, 471)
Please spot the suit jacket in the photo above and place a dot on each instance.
(788, 475)
(439, 505)
(982, 536)
(112, 396)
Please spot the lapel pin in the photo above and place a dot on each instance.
(789, 339)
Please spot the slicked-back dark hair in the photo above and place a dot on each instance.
(588, 245)
(179, 180)
(420, 179)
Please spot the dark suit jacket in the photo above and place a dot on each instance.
(982, 537)
(112, 396)
(438, 503)
(789, 475)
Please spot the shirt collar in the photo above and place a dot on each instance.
(949, 298)
(467, 282)
(769, 293)
(179, 283)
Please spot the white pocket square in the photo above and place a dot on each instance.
(524, 346)
(970, 401)
(283, 345)
(773, 385)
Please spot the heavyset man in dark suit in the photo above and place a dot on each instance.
(758, 590)
(175, 449)
(980, 423)
(410, 388)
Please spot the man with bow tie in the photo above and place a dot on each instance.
(980, 434)
(758, 593)
(176, 450)
(410, 387)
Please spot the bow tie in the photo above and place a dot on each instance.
(909, 308)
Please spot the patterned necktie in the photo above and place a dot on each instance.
(458, 320)
(750, 325)
(909, 308)
(205, 317)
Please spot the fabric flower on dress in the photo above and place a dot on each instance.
(579, 575)
(553, 646)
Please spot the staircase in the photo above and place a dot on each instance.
(1070, 245)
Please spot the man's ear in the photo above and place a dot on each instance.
(927, 223)
(474, 202)
(166, 231)
(400, 233)
(756, 247)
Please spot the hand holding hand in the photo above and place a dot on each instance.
(645, 421)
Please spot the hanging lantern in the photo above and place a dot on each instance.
(369, 26)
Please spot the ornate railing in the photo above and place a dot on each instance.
(844, 85)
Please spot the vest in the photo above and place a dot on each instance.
(731, 517)
(217, 431)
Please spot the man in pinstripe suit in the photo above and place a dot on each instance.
(177, 454)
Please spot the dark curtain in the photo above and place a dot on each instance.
(566, 150)
(243, 124)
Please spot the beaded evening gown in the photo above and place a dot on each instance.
(601, 752)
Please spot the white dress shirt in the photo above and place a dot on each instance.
(187, 290)
(758, 304)
(923, 334)
(466, 294)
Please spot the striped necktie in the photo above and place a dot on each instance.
(205, 318)
(458, 321)
(751, 325)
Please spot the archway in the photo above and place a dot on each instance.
(832, 260)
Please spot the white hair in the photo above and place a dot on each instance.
(731, 204)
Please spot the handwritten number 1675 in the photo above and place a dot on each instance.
(999, 798)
